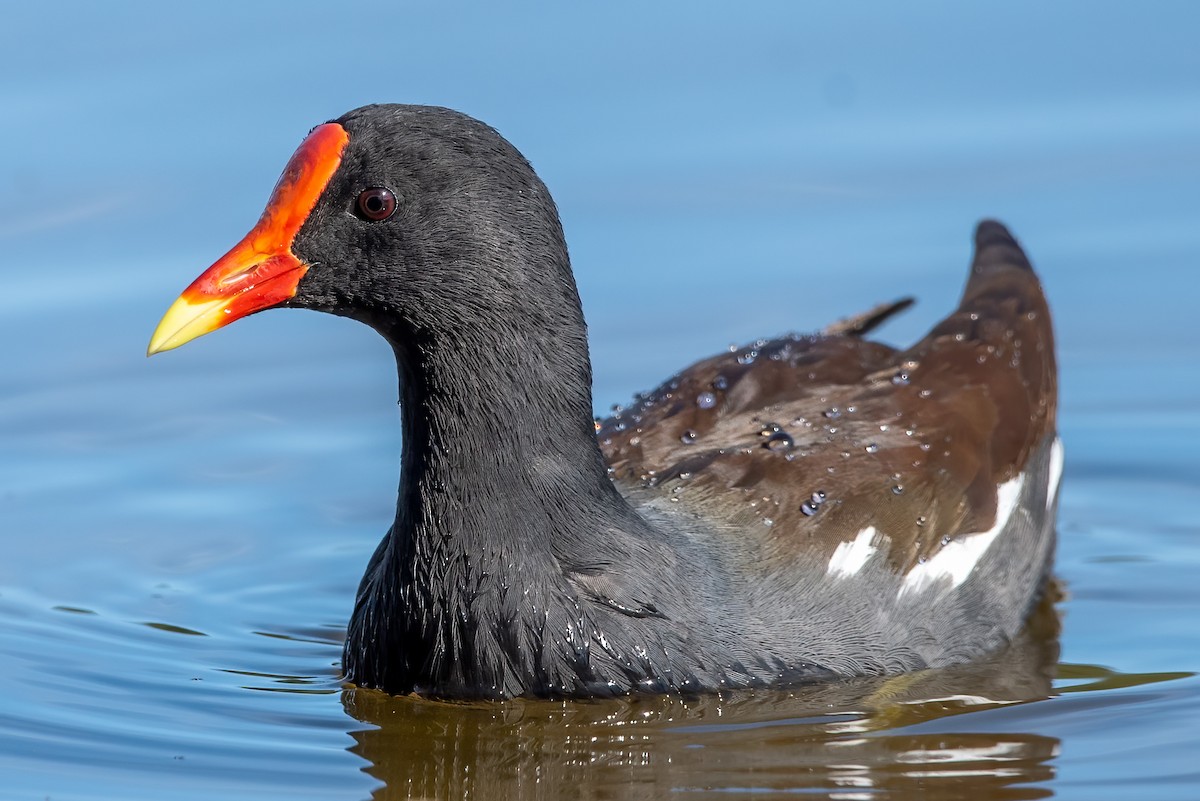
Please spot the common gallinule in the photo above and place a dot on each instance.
(802, 509)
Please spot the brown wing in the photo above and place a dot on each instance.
(812, 439)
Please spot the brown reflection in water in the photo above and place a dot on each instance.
(828, 741)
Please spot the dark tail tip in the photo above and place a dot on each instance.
(992, 232)
(996, 248)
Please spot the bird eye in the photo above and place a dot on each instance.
(376, 203)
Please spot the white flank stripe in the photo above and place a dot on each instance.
(957, 558)
(850, 557)
(1056, 468)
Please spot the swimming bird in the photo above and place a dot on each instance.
(802, 509)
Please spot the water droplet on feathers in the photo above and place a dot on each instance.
(813, 504)
(779, 441)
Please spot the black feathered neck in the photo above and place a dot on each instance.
(504, 494)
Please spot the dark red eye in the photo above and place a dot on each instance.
(376, 203)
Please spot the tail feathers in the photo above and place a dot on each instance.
(1000, 270)
(1001, 340)
(996, 249)
(1002, 304)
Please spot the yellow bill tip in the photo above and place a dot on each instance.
(185, 320)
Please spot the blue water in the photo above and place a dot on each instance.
(182, 536)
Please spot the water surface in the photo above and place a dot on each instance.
(182, 537)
